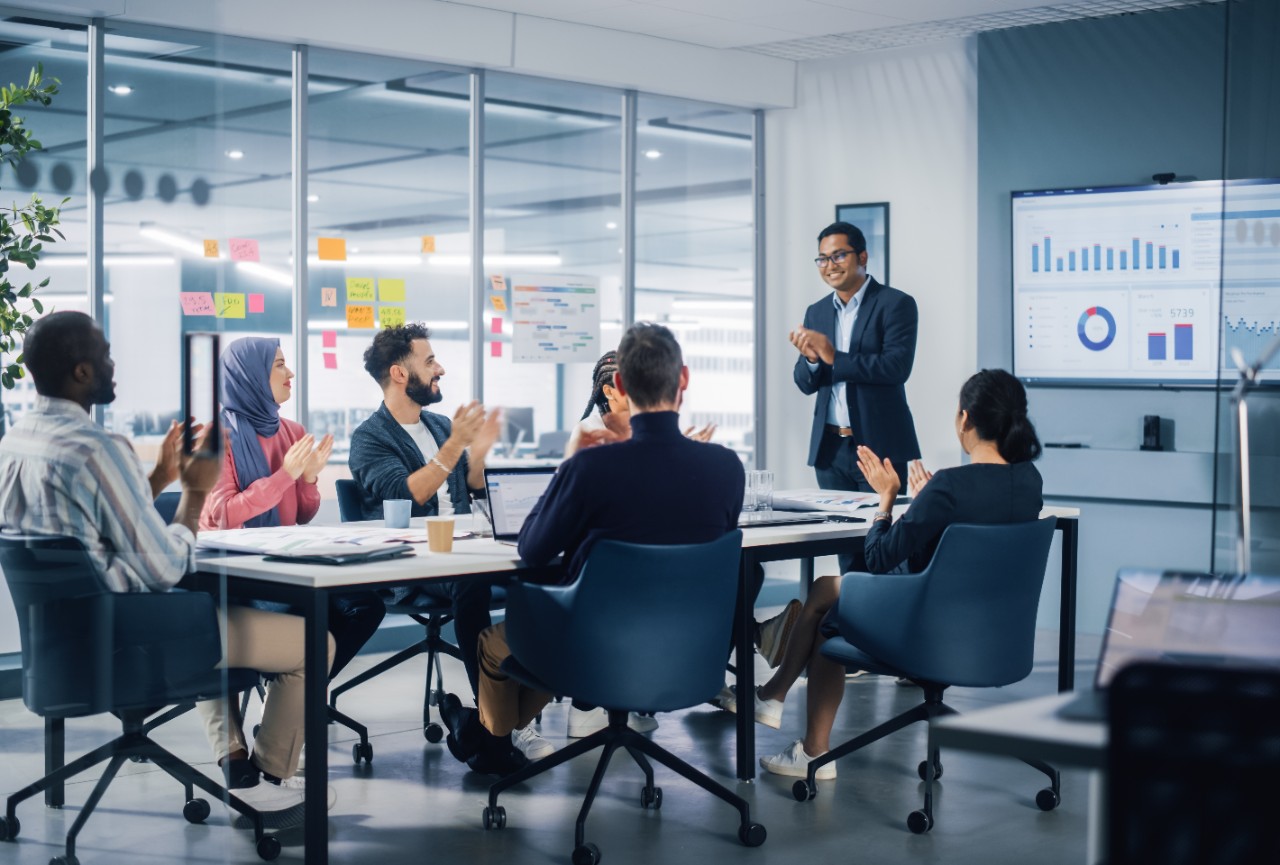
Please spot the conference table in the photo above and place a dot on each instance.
(307, 587)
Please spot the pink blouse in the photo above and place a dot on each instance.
(227, 507)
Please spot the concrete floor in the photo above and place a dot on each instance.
(416, 804)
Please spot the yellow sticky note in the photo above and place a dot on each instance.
(391, 290)
(333, 249)
(499, 302)
(359, 316)
(229, 305)
(390, 316)
(428, 243)
(359, 288)
(211, 249)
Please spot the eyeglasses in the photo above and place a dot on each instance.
(833, 258)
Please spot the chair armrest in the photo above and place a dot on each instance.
(876, 611)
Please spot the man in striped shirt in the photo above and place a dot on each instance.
(62, 474)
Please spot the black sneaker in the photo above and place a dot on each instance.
(464, 739)
(499, 758)
(240, 774)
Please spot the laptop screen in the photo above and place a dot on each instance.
(512, 494)
(1192, 618)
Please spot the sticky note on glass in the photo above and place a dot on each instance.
(257, 303)
(495, 349)
(498, 282)
(360, 288)
(391, 316)
(329, 339)
(359, 316)
(391, 290)
(495, 326)
(499, 302)
(197, 303)
(332, 249)
(328, 297)
(211, 249)
(229, 305)
(330, 360)
(243, 249)
(428, 243)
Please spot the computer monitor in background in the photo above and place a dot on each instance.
(517, 428)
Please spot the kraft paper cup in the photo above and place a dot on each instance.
(440, 534)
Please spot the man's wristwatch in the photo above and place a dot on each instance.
(882, 515)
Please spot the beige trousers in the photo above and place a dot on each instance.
(269, 643)
(504, 703)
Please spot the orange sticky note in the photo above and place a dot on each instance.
(359, 316)
(499, 282)
(211, 249)
(328, 297)
(257, 303)
(495, 349)
(499, 302)
(333, 249)
(495, 326)
(329, 339)
(330, 360)
(428, 243)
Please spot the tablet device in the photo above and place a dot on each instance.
(200, 390)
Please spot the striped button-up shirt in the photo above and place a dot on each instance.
(62, 474)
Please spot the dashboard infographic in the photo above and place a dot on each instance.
(1149, 284)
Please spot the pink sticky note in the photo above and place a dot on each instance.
(197, 303)
(329, 338)
(495, 349)
(495, 326)
(243, 249)
(328, 297)
(257, 303)
(330, 360)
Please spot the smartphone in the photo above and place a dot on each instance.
(200, 390)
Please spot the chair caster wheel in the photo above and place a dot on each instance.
(268, 848)
(138, 758)
(651, 798)
(919, 822)
(196, 810)
(752, 834)
(1047, 799)
(803, 792)
(434, 733)
(923, 769)
(9, 828)
(362, 751)
(587, 854)
(494, 818)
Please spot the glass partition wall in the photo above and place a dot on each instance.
(201, 204)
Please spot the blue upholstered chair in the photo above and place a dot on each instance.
(87, 651)
(968, 619)
(593, 640)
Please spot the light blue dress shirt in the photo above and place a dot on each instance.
(846, 315)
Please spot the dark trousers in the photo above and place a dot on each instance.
(837, 469)
(353, 618)
(471, 599)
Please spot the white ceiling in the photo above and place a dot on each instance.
(805, 29)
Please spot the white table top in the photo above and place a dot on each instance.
(1027, 728)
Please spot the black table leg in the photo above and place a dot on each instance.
(1070, 527)
(745, 662)
(806, 577)
(55, 746)
(316, 606)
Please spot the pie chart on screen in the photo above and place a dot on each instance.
(1096, 328)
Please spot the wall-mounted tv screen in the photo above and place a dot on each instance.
(1145, 284)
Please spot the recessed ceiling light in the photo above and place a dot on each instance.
(313, 198)
(611, 225)
(120, 89)
(652, 154)
(235, 154)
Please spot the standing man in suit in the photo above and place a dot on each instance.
(856, 349)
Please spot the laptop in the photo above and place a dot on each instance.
(754, 519)
(512, 494)
(1182, 617)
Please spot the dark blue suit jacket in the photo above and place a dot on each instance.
(383, 456)
(658, 487)
(874, 367)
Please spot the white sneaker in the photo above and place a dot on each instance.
(529, 743)
(726, 699)
(584, 722)
(794, 763)
(299, 783)
(281, 807)
(767, 712)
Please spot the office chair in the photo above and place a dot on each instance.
(593, 640)
(167, 505)
(968, 619)
(1191, 765)
(87, 650)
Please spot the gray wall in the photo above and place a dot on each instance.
(1107, 101)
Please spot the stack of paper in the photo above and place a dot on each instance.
(295, 540)
(836, 501)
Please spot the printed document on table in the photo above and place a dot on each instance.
(303, 539)
(838, 501)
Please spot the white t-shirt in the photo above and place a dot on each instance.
(591, 423)
(426, 443)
